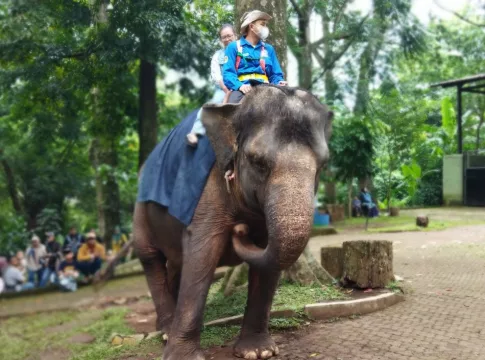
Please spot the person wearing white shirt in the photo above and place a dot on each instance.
(226, 36)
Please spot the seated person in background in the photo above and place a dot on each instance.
(73, 240)
(35, 256)
(53, 255)
(13, 278)
(118, 240)
(90, 256)
(226, 36)
(368, 207)
(250, 60)
(356, 207)
(22, 262)
(67, 271)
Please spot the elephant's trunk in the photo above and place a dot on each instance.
(289, 216)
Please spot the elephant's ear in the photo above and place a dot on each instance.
(217, 120)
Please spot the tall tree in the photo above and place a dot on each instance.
(306, 270)
(275, 8)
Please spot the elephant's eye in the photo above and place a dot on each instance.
(258, 163)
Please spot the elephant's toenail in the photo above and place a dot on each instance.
(266, 354)
(251, 356)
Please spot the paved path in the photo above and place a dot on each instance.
(443, 319)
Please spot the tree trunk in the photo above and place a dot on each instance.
(11, 186)
(104, 152)
(306, 269)
(349, 197)
(95, 162)
(367, 264)
(147, 119)
(277, 25)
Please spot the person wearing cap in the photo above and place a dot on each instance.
(226, 36)
(35, 256)
(53, 255)
(250, 60)
(73, 240)
(90, 256)
(68, 273)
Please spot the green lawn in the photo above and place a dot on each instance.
(38, 336)
(401, 224)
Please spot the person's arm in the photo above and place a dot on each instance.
(18, 277)
(276, 73)
(102, 252)
(229, 73)
(83, 254)
(216, 74)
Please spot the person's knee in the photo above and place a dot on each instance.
(235, 97)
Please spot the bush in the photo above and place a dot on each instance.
(13, 236)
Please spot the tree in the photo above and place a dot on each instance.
(306, 270)
(352, 148)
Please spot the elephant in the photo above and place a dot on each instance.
(275, 142)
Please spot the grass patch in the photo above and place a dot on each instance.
(394, 286)
(30, 336)
(34, 335)
(381, 221)
(436, 225)
(288, 296)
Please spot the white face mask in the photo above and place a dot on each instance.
(263, 32)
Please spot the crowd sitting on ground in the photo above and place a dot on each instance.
(76, 260)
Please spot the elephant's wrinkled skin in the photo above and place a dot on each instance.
(276, 140)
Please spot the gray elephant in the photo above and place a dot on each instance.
(275, 141)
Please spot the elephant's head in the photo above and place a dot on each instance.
(278, 137)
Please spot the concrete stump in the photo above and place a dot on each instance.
(332, 260)
(367, 264)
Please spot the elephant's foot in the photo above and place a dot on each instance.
(180, 353)
(256, 346)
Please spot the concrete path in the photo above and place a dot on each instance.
(444, 319)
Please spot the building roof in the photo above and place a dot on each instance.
(462, 81)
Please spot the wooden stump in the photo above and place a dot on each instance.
(336, 212)
(422, 221)
(367, 264)
(332, 259)
(394, 211)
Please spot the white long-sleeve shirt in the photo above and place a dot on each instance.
(216, 67)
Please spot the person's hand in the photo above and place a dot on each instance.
(245, 88)
(283, 83)
(92, 256)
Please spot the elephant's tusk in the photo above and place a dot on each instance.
(229, 175)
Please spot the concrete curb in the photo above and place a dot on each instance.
(337, 309)
(327, 310)
(237, 320)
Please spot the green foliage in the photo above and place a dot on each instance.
(352, 148)
(48, 220)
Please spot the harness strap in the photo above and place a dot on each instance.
(262, 62)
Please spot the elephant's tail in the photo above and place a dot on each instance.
(103, 275)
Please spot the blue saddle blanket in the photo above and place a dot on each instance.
(175, 173)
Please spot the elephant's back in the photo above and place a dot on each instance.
(174, 174)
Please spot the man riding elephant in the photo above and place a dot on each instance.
(276, 139)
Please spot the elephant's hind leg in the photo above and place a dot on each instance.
(154, 263)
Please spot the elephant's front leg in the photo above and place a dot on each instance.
(255, 341)
(201, 256)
